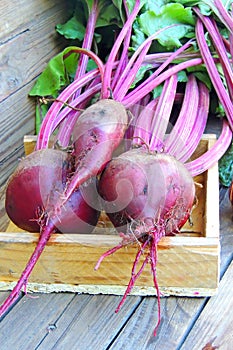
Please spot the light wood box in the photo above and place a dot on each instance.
(188, 264)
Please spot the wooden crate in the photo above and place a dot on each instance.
(188, 264)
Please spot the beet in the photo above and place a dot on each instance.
(139, 187)
(35, 188)
(96, 135)
(146, 195)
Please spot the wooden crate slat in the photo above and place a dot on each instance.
(185, 264)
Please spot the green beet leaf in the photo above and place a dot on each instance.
(170, 14)
(72, 29)
(58, 73)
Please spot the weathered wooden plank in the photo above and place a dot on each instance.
(17, 118)
(27, 54)
(15, 16)
(94, 327)
(215, 322)
(226, 229)
(32, 318)
(3, 296)
(177, 315)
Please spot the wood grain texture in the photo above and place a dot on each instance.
(3, 296)
(32, 318)
(91, 321)
(17, 16)
(177, 315)
(215, 322)
(93, 327)
(25, 56)
(186, 265)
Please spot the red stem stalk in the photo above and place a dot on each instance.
(141, 92)
(163, 113)
(211, 157)
(22, 282)
(182, 129)
(112, 56)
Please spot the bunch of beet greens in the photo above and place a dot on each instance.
(132, 97)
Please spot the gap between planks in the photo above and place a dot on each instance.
(214, 325)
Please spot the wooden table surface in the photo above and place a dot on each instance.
(84, 322)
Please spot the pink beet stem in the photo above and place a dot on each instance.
(218, 42)
(224, 16)
(64, 134)
(87, 41)
(199, 124)
(162, 113)
(166, 60)
(210, 157)
(222, 93)
(183, 127)
(142, 129)
(124, 55)
(22, 282)
(135, 62)
(141, 92)
(117, 44)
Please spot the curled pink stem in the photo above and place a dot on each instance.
(223, 96)
(210, 157)
(47, 125)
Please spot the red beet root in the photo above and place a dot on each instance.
(146, 196)
(143, 188)
(35, 188)
(97, 133)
